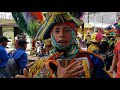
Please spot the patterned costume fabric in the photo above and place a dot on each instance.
(93, 64)
(47, 67)
(92, 47)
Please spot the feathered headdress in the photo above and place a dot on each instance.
(77, 15)
(110, 30)
(29, 22)
(117, 27)
(57, 17)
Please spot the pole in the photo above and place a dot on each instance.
(94, 22)
(102, 21)
(88, 17)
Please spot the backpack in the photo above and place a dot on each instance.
(12, 67)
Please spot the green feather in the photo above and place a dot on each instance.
(18, 17)
(30, 28)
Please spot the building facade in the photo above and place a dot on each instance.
(101, 17)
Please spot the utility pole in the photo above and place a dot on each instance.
(88, 17)
(94, 21)
(102, 20)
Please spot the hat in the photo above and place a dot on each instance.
(96, 37)
(117, 27)
(56, 18)
(22, 42)
(99, 36)
(115, 24)
(93, 36)
(3, 38)
(93, 40)
(109, 28)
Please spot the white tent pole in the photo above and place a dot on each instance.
(94, 22)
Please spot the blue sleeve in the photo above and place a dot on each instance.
(23, 61)
(4, 55)
(9, 55)
(98, 66)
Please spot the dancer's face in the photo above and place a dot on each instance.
(62, 34)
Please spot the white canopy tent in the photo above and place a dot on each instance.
(100, 25)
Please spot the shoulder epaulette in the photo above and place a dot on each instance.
(82, 51)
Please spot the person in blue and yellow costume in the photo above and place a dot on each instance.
(96, 38)
(116, 59)
(66, 60)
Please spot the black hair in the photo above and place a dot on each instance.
(104, 45)
(21, 42)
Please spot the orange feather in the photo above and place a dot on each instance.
(39, 16)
